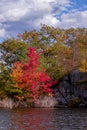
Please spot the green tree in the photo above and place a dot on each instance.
(12, 50)
(8, 86)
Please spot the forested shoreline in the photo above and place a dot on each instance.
(35, 61)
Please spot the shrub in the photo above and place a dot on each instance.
(74, 102)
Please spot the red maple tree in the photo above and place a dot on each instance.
(32, 77)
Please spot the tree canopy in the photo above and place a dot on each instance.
(57, 51)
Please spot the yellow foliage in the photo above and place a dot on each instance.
(17, 70)
(83, 67)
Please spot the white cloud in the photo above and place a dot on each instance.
(12, 10)
(74, 19)
(48, 20)
(2, 32)
(19, 15)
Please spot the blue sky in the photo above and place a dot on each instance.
(16, 16)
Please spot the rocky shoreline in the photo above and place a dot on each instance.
(45, 102)
(71, 91)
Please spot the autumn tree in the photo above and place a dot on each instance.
(31, 77)
(11, 50)
(8, 87)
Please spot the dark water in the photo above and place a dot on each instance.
(43, 119)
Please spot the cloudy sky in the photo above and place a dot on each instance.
(19, 15)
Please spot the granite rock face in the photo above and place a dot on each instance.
(71, 87)
(7, 103)
(10, 103)
(46, 101)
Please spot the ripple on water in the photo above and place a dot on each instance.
(43, 119)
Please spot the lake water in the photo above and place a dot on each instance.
(43, 119)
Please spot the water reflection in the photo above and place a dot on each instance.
(43, 119)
